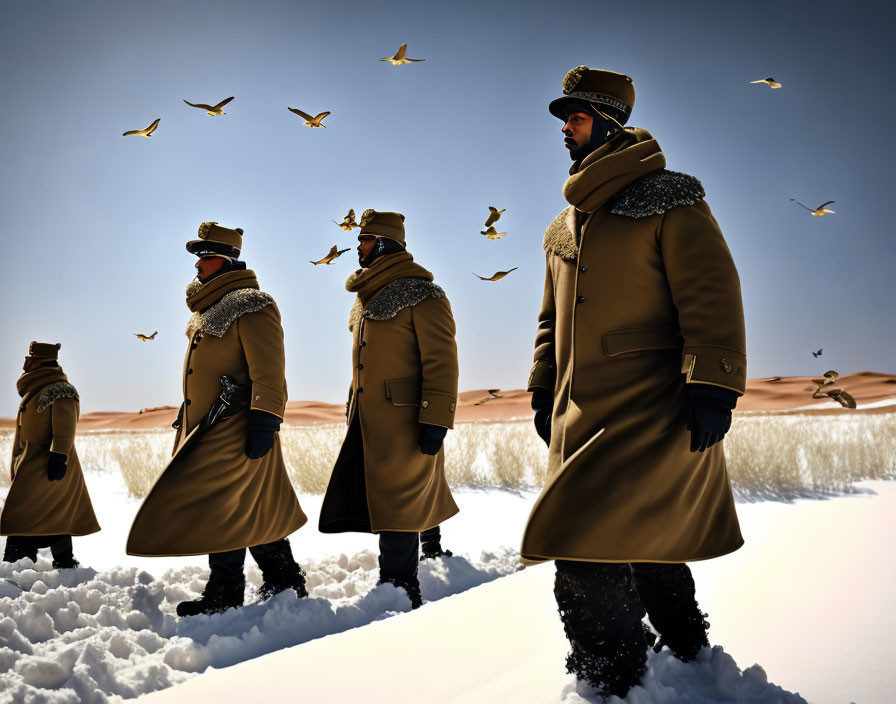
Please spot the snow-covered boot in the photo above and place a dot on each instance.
(218, 596)
(409, 583)
(431, 544)
(63, 557)
(278, 569)
(668, 593)
(602, 615)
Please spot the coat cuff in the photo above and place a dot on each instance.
(716, 366)
(437, 408)
(543, 375)
(61, 446)
(268, 399)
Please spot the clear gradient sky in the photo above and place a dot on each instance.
(94, 224)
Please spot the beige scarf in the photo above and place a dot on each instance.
(611, 167)
(367, 283)
(34, 381)
(202, 296)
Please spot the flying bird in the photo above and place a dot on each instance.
(492, 233)
(493, 216)
(144, 133)
(817, 354)
(211, 109)
(819, 211)
(770, 82)
(492, 394)
(310, 121)
(348, 222)
(497, 276)
(400, 57)
(146, 338)
(334, 253)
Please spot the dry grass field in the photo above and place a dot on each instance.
(770, 456)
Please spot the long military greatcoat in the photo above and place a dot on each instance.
(211, 497)
(46, 422)
(404, 361)
(641, 297)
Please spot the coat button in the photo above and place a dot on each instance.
(727, 367)
(425, 404)
(360, 389)
(580, 299)
(360, 366)
(452, 406)
(584, 268)
(189, 371)
(363, 343)
(187, 402)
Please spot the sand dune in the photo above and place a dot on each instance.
(791, 393)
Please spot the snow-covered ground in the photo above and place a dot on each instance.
(807, 598)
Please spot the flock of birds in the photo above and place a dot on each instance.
(490, 232)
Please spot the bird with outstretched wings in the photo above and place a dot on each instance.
(334, 253)
(497, 276)
(819, 211)
(146, 338)
(400, 57)
(493, 216)
(315, 121)
(145, 132)
(211, 109)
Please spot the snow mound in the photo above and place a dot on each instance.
(80, 635)
(713, 678)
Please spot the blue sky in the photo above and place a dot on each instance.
(94, 223)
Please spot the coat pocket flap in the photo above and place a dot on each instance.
(404, 392)
(637, 339)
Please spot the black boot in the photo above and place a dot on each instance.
(63, 557)
(279, 570)
(431, 544)
(667, 592)
(409, 583)
(218, 596)
(602, 616)
(19, 546)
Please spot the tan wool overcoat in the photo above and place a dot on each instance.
(641, 297)
(404, 361)
(46, 422)
(211, 497)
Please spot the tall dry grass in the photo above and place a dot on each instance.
(769, 455)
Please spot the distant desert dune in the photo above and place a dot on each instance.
(870, 389)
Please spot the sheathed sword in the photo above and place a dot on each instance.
(233, 397)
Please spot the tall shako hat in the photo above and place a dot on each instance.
(44, 350)
(216, 240)
(611, 93)
(382, 224)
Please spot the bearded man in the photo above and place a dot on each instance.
(226, 487)
(640, 357)
(48, 501)
(389, 478)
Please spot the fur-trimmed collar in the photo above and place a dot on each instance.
(657, 192)
(652, 194)
(394, 297)
(51, 393)
(218, 319)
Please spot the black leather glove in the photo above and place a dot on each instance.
(709, 414)
(431, 437)
(260, 440)
(56, 466)
(543, 405)
(179, 421)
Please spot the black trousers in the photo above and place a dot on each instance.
(273, 559)
(399, 553)
(19, 546)
(431, 535)
(602, 605)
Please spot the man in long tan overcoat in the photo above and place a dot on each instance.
(48, 501)
(639, 360)
(226, 487)
(389, 477)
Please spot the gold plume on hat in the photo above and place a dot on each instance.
(204, 228)
(366, 216)
(572, 78)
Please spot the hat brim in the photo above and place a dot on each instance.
(205, 248)
(560, 108)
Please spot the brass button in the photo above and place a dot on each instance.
(425, 404)
(727, 367)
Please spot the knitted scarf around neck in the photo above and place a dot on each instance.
(39, 378)
(367, 283)
(202, 296)
(611, 167)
